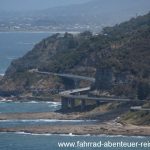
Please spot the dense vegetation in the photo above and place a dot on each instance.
(120, 53)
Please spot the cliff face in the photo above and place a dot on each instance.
(124, 49)
(128, 57)
(58, 53)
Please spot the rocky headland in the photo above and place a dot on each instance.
(118, 58)
(99, 129)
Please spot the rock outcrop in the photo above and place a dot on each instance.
(124, 49)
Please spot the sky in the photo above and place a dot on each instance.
(25, 5)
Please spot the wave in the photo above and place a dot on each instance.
(12, 57)
(53, 103)
(119, 136)
(32, 102)
(70, 135)
(77, 135)
(49, 134)
(5, 100)
(47, 120)
(26, 43)
(34, 134)
(42, 134)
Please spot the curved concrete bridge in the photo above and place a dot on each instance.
(68, 97)
(65, 75)
(140, 108)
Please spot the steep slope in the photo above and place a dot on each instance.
(123, 51)
(58, 53)
(130, 57)
(137, 117)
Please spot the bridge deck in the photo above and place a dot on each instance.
(67, 76)
(102, 99)
(69, 93)
(139, 108)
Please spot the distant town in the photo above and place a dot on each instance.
(14, 26)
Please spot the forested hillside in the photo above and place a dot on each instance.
(122, 52)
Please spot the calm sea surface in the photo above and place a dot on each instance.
(12, 46)
(27, 141)
(32, 106)
(21, 141)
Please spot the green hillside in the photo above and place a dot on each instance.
(122, 52)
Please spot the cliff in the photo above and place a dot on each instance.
(127, 59)
(120, 54)
(58, 53)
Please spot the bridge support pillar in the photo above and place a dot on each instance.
(97, 103)
(64, 103)
(83, 104)
(72, 103)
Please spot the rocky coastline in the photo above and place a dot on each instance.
(109, 126)
(27, 99)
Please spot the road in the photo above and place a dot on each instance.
(69, 93)
(66, 75)
(139, 108)
(102, 99)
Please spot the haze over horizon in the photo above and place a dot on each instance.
(68, 15)
(27, 5)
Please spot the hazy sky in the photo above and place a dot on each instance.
(35, 4)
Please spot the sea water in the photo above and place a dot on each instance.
(26, 141)
(31, 107)
(15, 44)
(12, 46)
(29, 141)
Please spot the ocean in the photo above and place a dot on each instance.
(15, 45)
(27, 107)
(26, 141)
(29, 141)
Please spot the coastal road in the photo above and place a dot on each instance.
(73, 91)
(102, 99)
(69, 93)
(66, 75)
(140, 108)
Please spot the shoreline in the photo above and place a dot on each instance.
(53, 32)
(27, 99)
(81, 135)
(102, 126)
(80, 130)
(107, 123)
